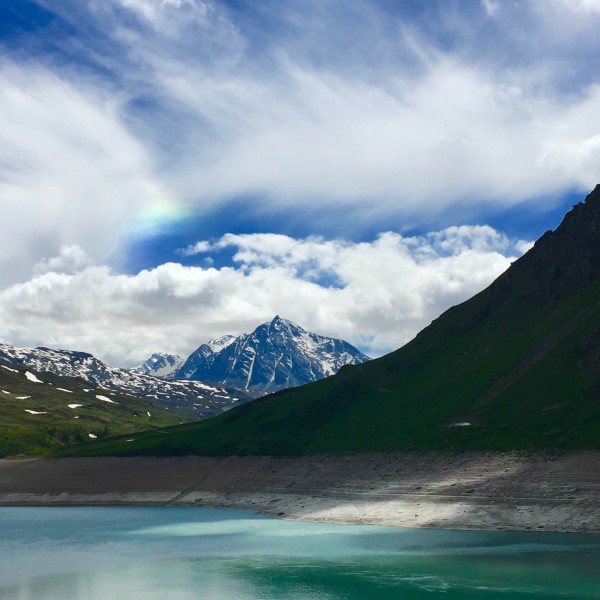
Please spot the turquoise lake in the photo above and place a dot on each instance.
(217, 554)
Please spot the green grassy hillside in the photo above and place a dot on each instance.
(36, 417)
(515, 367)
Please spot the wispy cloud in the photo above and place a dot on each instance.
(70, 172)
(417, 122)
(581, 6)
(491, 7)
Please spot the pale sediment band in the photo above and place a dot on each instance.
(462, 491)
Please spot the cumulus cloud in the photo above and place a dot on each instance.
(70, 259)
(376, 294)
(197, 248)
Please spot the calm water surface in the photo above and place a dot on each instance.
(217, 554)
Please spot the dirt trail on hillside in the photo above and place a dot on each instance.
(462, 491)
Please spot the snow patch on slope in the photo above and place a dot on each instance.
(105, 399)
(221, 343)
(32, 377)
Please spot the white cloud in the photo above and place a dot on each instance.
(71, 259)
(491, 7)
(407, 129)
(376, 294)
(70, 173)
(197, 248)
(391, 138)
(581, 6)
(167, 16)
(403, 138)
(325, 139)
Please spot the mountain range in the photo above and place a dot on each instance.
(195, 399)
(165, 390)
(516, 367)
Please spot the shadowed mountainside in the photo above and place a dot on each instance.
(515, 367)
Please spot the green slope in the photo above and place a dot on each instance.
(519, 362)
(53, 424)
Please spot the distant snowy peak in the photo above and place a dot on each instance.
(160, 365)
(278, 354)
(202, 357)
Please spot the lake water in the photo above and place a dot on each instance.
(198, 553)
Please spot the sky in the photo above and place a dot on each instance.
(176, 170)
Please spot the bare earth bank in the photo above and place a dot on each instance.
(458, 491)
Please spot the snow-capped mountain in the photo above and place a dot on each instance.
(221, 343)
(165, 365)
(276, 355)
(160, 365)
(202, 357)
(194, 396)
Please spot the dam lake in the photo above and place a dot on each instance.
(177, 553)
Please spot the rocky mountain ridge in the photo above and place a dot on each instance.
(160, 365)
(195, 397)
(278, 354)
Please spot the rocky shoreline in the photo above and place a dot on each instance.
(441, 490)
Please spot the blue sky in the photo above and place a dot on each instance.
(424, 143)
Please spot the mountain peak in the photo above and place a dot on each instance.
(159, 364)
(561, 261)
(594, 195)
(279, 324)
(276, 355)
(278, 321)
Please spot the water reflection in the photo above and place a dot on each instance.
(156, 553)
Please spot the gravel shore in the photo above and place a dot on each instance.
(441, 490)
